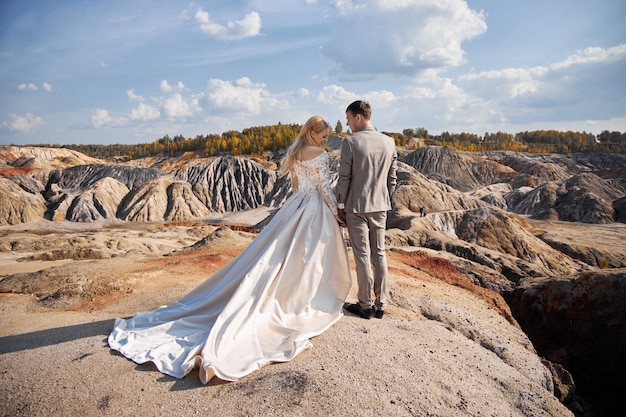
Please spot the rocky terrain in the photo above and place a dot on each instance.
(537, 240)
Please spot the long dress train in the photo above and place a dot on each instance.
(287, 286)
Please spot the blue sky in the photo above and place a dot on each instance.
(132, 71)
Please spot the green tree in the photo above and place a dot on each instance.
(421, 132)
(338, 128)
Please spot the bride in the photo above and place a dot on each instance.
(288, 286)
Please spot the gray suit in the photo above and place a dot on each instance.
(367, 179)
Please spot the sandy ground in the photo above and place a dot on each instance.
(444, 348)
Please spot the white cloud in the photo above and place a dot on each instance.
(28, 87)
(242, 96)
(574, 88)
(100, 117)
(513, 82)
(166, 87)
(33, 87)
(336, 95)
(23, 123)
(400, 36)
(176, 106)
(594, 55)
(380, 99)
(247, 27)
(339, 98)
(132, 96)
(144, 112)
(506, 83)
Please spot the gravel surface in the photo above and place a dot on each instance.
(444, 348)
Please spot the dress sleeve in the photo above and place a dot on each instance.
(392, 176)
(294, 181)
(325, 188)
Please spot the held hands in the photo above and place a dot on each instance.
(341, 217)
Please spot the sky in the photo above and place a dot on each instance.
(133, 71)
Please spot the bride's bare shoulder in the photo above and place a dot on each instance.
(310, 152)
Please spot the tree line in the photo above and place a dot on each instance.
(537, 141)
(257, 140)
(251, 141)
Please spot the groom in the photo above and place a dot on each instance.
(367, 178)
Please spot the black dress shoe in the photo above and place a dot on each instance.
(379, 313)
(356, 309)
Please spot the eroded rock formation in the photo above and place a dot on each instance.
(100, 201)
(18, 205)
(501, 218)
(229, 183)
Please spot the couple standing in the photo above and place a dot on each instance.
(290, 284)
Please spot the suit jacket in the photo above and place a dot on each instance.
(367, 171)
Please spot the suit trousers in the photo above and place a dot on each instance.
(367, 238)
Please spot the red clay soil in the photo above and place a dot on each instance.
(444, 271)
(12, 171)
(7, 156)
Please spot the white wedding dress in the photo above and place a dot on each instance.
(289, 285)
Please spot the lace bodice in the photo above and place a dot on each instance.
(313, 176)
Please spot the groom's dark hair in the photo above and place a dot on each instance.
(360, 107)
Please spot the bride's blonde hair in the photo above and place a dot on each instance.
(314, 124)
